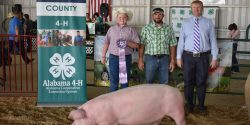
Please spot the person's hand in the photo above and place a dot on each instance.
(172, 65)
(103, 60)
(179, 63)
(140, 64)
(213, 63)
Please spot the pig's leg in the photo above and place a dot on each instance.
(179, 116)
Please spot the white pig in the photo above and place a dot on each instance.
(143, 104)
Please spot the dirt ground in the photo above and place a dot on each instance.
(23, 111)
(223, 109)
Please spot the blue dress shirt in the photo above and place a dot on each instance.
(208, 40)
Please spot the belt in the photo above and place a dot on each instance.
(159, 55)
(197, 54)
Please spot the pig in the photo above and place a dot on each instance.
(143, 104)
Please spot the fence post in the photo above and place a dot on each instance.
(247, 31)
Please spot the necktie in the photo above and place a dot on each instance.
(196, 36)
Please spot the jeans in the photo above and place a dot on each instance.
(234, 59)
(157, 65)
(114, 71)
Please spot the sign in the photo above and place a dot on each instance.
(61, 52)
(179, 14)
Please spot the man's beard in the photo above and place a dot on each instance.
(158, 21)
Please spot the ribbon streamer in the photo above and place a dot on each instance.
(121, 44)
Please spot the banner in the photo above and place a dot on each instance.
(61, 41)
(94, 6)
(179, 14)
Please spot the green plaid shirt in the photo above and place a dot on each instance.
(157, 40)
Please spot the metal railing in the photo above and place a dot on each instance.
(241, 52)
(18, 71)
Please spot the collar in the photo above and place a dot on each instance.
(121, 27)
(194, 17)
(154, 24)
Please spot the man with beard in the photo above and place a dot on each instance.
(158, 46)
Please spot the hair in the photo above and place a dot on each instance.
(96, 14)
(17, 8)
(197, 2)
(232, 26)
(26, 16)
(158, 9)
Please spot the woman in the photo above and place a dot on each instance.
(119, 41)
(234, 33)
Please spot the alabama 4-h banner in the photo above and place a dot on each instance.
(61, 40)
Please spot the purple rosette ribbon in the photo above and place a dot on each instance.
(121, 44)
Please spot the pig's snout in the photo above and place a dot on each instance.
(77, 114)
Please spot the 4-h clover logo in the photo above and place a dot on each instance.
(173, 11)
(62, 65)
(182, 12)
(211, 11)
(179, 25)
(190, 12)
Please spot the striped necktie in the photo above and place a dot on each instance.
(196, 36)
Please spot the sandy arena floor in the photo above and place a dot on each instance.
(223, 109)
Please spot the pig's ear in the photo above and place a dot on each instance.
(77, 114)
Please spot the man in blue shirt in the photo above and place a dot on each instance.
(78, 41)
(197, 40)
(15, 30)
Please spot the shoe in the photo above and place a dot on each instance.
(188, 109)
(203, 112)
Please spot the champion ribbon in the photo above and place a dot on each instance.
(121, 44)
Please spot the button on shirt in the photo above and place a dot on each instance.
(157, 40)
(115, 33)
(208, 40)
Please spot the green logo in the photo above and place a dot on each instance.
(179, 25)
(182, 12)
(62, 65)
(173, 11)
(211, 11)
(190, 12)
